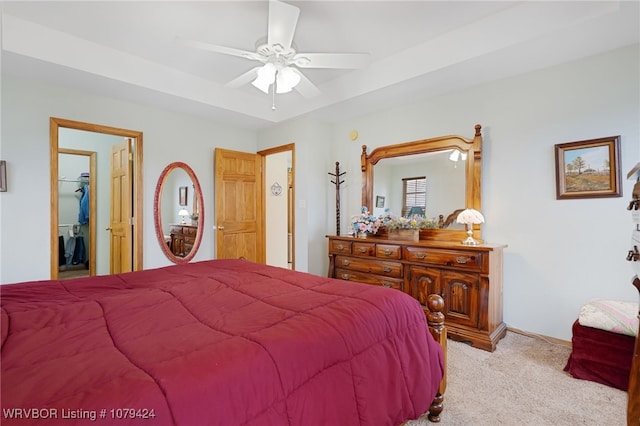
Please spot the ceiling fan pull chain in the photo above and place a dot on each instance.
(273, 102)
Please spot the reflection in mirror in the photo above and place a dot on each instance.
(451, 166)
(178, 218)
(445, 184)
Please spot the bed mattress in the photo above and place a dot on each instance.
(222, 342)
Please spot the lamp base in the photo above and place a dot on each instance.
(470, 241)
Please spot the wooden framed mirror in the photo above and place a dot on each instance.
(179, 219)
(452, 166)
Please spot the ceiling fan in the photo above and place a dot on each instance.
(280, 59)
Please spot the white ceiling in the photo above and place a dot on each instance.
(128, 50)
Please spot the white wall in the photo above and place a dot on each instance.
(167, 137)
(313, 204)
(276, 208)
(561, 252)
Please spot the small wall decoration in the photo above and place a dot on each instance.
(3, 176)
(588, 169)
(182, 195)
(379, 201)
(276, 189)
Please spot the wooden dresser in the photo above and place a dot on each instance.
(183, 237)
(469, 279)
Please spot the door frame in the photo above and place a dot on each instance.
(54, 125)
(263, 154)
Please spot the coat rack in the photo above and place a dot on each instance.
(337, 182)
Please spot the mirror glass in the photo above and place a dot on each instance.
(452, 168)
(179, 213)
(445, 178)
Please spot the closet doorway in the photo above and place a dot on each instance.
(76, 213)
(69, 139)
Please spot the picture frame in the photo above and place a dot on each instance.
(379, 201)
(182, 195)
(588, 169)
(3, 176)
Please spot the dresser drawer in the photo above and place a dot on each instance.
(388, 251)
(190, 231)
(349, 275)
(364, 249)
(388, 269)
(458, 259)
(339, 246)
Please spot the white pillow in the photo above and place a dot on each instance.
(610, 315)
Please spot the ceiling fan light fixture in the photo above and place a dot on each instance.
(286, 80)
(266, 77)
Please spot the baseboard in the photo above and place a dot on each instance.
(547, 339)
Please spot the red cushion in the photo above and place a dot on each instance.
(600, 356)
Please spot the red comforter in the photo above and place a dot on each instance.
(222, 342)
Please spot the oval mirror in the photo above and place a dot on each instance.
(179, 212)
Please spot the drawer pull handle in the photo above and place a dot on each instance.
(362, 249)
(345, 262)
(421, 255)
(346, 277)
(387, 252)
(386, 284)
(634, 254)
(387, 269)
(340, 247)
(462, 259)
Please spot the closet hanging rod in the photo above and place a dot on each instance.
(66, 225)
(69, 180)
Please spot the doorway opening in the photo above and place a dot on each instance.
(278, 171)
(68, 135)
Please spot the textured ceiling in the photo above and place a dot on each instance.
(131, 51)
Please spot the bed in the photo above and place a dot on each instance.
(220, 342)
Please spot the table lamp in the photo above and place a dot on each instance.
(470, 217)
(183, 213)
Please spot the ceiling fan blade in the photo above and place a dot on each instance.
(243, 79)
(283, 19)
(331, 60)
(222, 49)
(305, 87)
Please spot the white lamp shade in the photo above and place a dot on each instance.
(183, 212)
(266, 77)
(470, 216)
(286, 80)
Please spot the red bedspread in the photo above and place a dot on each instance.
(222, 342)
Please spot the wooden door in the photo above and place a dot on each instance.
(239, 206)
(121, 208)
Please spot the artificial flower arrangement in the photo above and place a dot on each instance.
(365, 222)
(393, 222)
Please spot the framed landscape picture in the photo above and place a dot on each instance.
(588, 169)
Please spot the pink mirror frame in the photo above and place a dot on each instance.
(157, 203)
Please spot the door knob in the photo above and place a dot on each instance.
(108, 228)
(221, 228)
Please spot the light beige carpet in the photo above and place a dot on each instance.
(522, 383)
